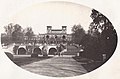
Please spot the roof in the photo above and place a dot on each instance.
(56, 30)
(56, 33)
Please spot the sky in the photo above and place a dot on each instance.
(55, 14)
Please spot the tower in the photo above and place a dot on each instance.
(49, 28)
(64, 29)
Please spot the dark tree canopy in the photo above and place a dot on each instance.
(99, 24)
(101, 37)
(17, 34)
(9, 29)
(13, 33)
(29, 33)
(78, 33)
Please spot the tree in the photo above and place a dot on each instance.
(14, 33)
(103, 31)
(9, 29)
(91, 47)
(100, 23)
(29, 33)
(78, 33)
(17, 34)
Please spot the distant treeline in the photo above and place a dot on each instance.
(14, 33)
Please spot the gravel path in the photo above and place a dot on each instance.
(56, 67)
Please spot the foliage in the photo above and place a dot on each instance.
(5, 39)
(17, 34)
(101, 37)
(29, 33)
(9, 29)
(13, 33)
(78, 33)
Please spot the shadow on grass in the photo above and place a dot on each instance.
(24, 60)
(89, 65)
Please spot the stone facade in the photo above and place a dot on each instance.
(53, 36)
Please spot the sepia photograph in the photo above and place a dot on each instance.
(59, 39)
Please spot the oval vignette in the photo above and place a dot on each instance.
(59, 39)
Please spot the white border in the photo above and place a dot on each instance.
(110, 70)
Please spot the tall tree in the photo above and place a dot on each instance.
(100, 23)
(17, 34)
(78, 33)
(14, 32)
(29, 33)
(103, 31)
(9, 29)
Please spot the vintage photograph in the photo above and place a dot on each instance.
(59, 39)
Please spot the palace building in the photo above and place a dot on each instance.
(55, 36)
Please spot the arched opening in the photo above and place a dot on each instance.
(21, 51)
(56, 37)
(52, 51)
(37, 51)
(47, 36)
(64, 37)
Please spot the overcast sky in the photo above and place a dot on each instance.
(55, 14)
